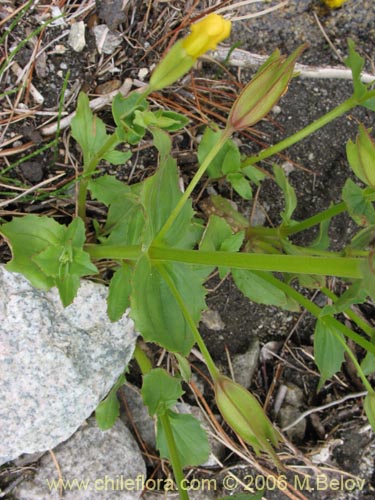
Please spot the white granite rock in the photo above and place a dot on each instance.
(94, 464)
(56, 364)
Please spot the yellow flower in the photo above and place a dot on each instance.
(334, 4)
(206, 35)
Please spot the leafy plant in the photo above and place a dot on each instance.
(164, 253)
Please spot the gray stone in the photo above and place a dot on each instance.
(105, 465)
(106, 41)
(212, 320)
(76, 38)
(244, 365)
(139, 415)
(56, 364)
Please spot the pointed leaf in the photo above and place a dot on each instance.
(108, 410)
(241, 185)
(255, 286)
(191, 440)
(160, 391)
(118, 299)
(288, 191)
(155, 308)
(29, 236)
(355, 62)
(328, 350)
(359, 208)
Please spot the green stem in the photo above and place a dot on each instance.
(89, 169)
(142, 359)
(315, 219)
(346, 267)
(115, 252)
(301, 134)
(316, 311)
(214, 372)
(226, 133)
(174, 456)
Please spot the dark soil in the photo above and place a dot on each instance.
(320, 169)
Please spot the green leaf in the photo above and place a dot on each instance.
(288, 191)
(48, 253)
(255, 286)
(322, 242)
(168, 120)
(90, 133)
(241, 185)
(162, 142)
(232, 159)
(160, 195)
(155, 308)
(355, 62)
(368, 364)
(215, 168)
(107, 189)
(217, 231)
(160, 391)
(184, 367)
(124, 113)
(359, 208)
(117, 157)
(253, 174)
(364, 238)
(223, 208)
(191, 440)
(125, 220)
(108, 410)
(355, 294)
(367, 268)
(118, 299)
(218, 235)
(29, 236)
(329, 350)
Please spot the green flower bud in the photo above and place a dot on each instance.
(361, 156)
(263, 91)
(205, 35)
(243, 413)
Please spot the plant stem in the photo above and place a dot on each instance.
(174, 456)
(316, 311)
(142, 359)
(226, 133)
(89, 169)
(115, 252)
(347, 267)
(301, 134)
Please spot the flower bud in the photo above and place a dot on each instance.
(263, 91)
(205, 35)
(361, 156)
(243, 413)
